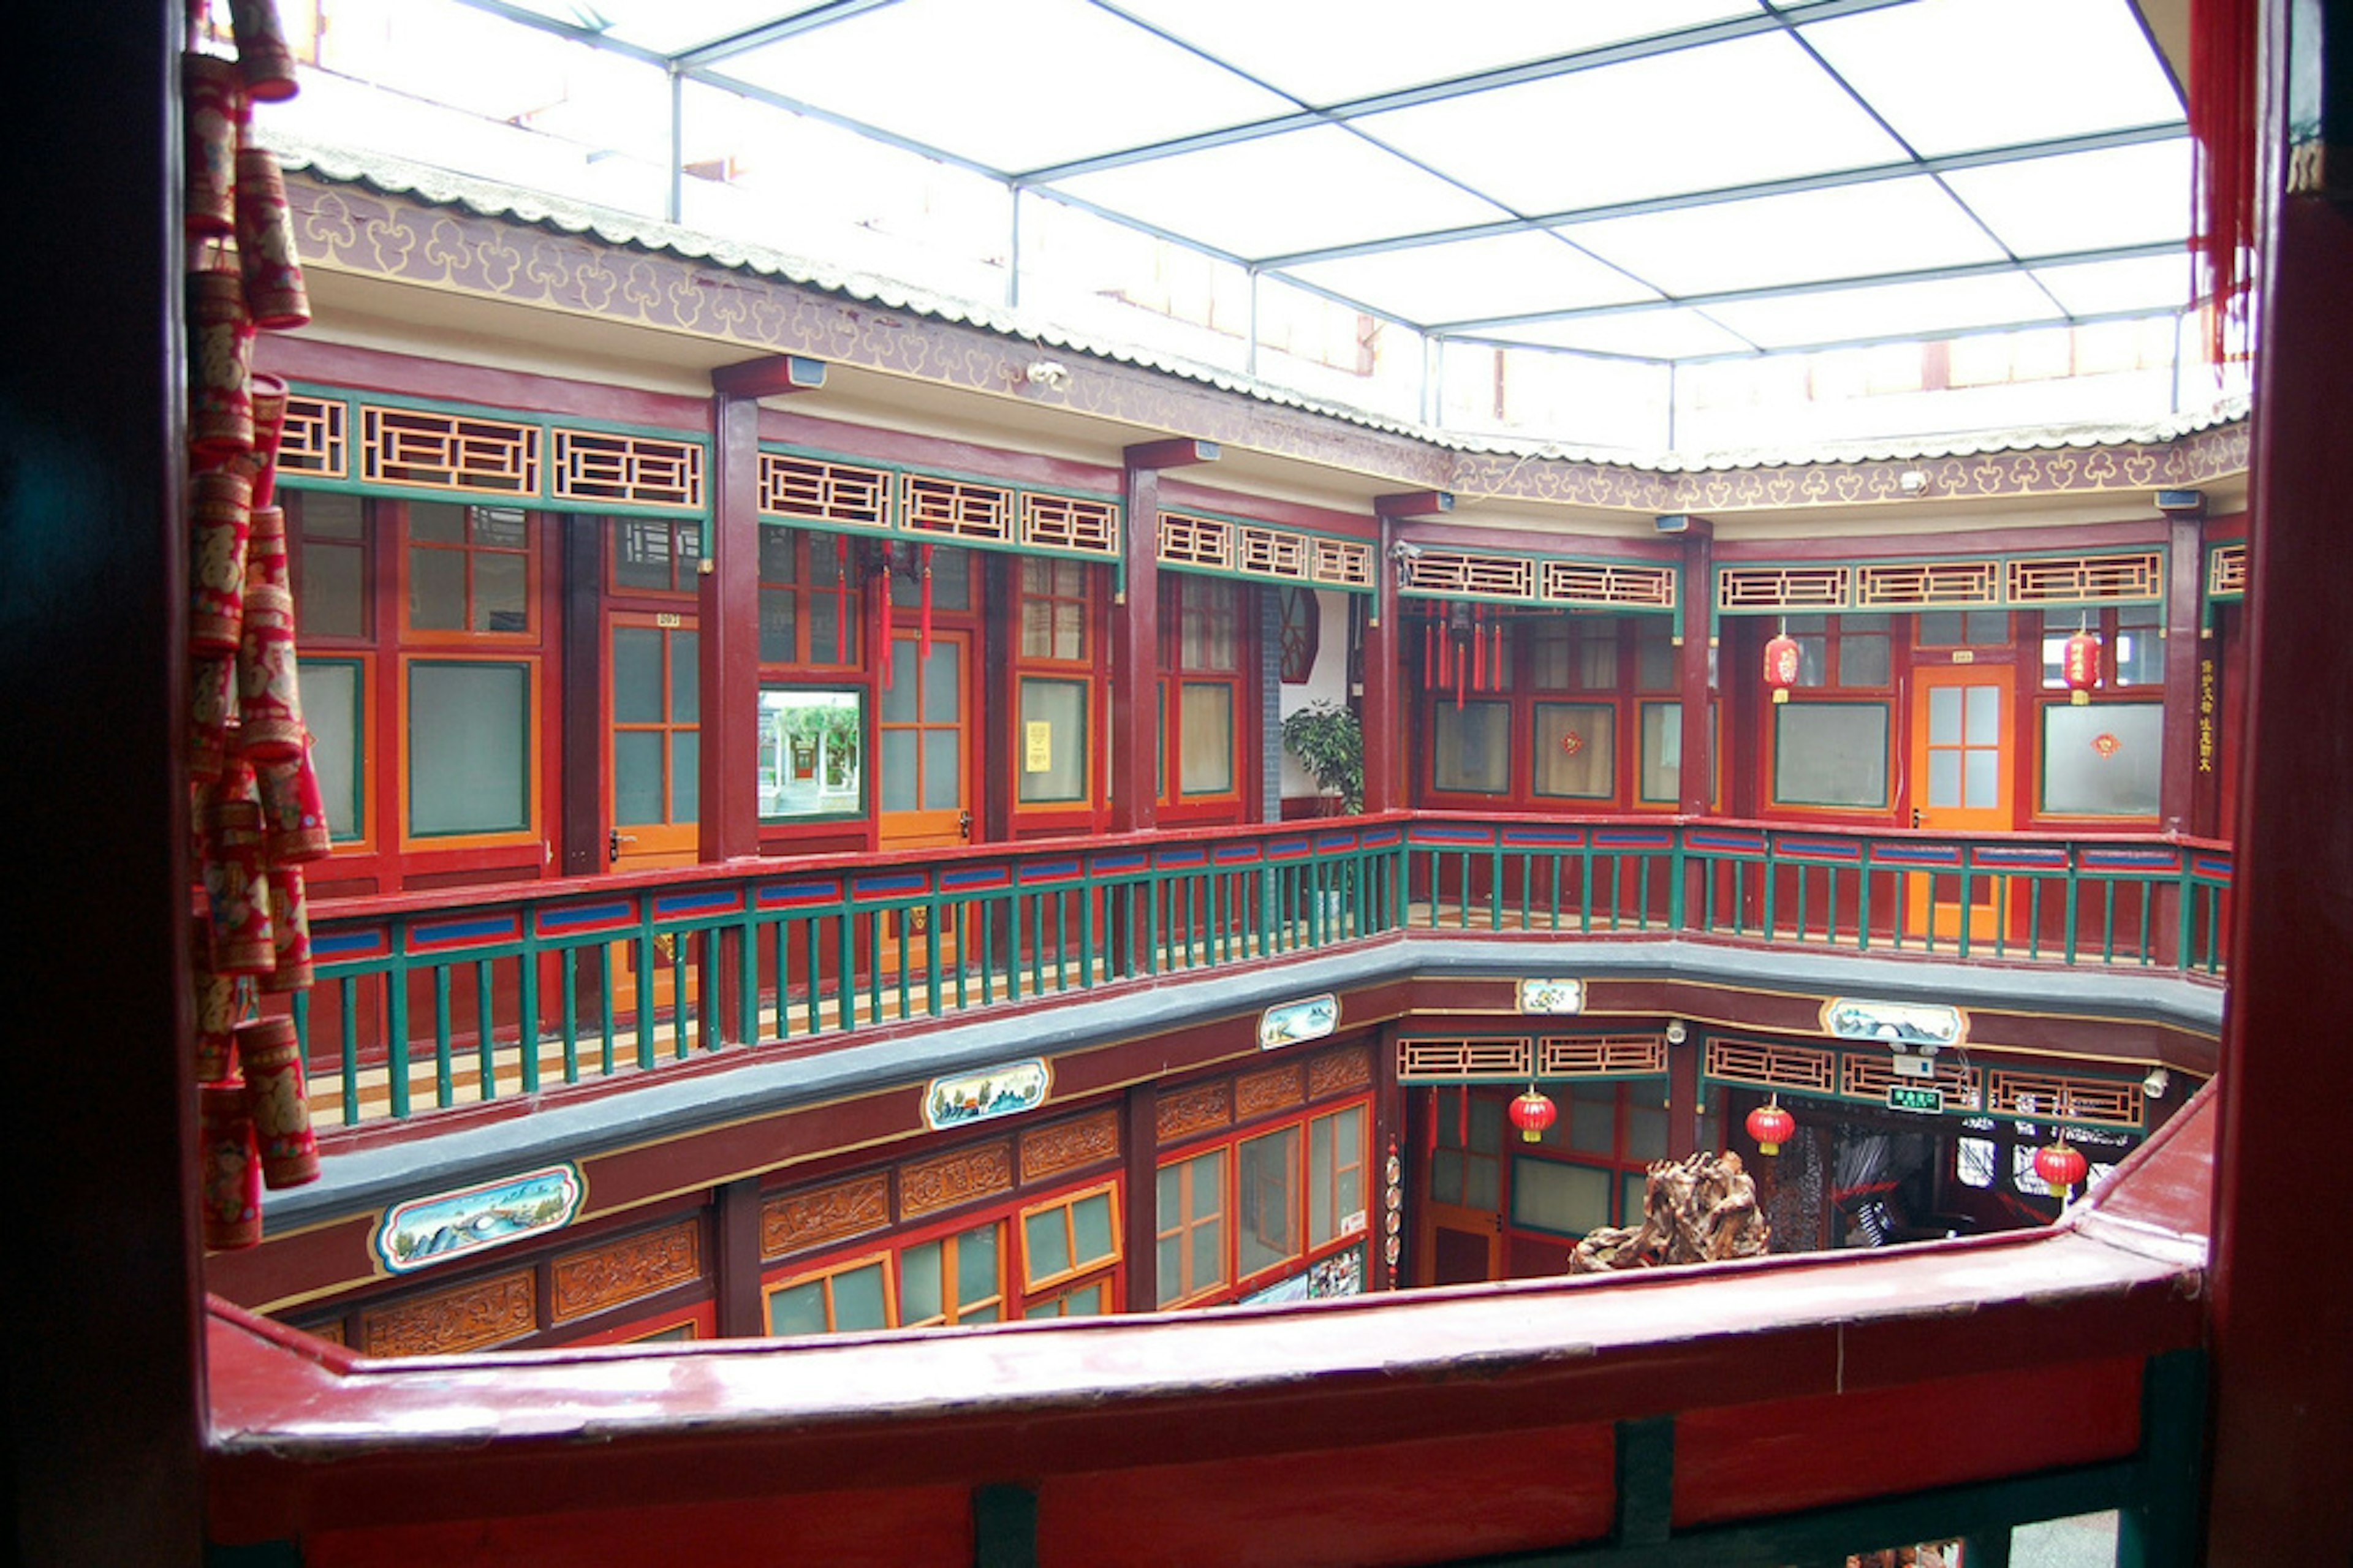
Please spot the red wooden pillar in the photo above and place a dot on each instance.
(1135, 633)
(1695, 784)
(2184, 585)
(2282, 1421)
(1384, 720)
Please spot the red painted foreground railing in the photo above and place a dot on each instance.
(1784, 1410)
(429, 1001)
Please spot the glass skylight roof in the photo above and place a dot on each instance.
(1665, 179)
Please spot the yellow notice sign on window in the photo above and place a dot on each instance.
(1038, 746)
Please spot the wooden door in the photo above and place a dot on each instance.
(652, 760)
(1460, 1233)
(928, 761)
(1962, 735)
(1465, 1246)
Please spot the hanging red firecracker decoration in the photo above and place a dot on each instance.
(289, 932)
(924, 627)
(1772, 1126)
(2079, 662)
(270, 1060)
(231, 1167)
(275, 299)
(882, 625)
(1478, 647)
(1531, 1113)
(218, 518)
(212, 100)
(262, 56)
(220, 362)
(212, 704)
(1781, 657)
(236, 890)
(268, 395)
(2061, 1165)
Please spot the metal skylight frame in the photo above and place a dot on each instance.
(703, 62)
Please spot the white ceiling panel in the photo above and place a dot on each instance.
(1659, 333)
(1729, 114)
(1888, 311)
(1955, 76)
(1846, 231)
(2086, 201)
(2107, 288)
(1507, 274)
(1012, 85)
(1301, 190)
(1330, 51)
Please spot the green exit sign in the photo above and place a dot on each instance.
(1924, 1098)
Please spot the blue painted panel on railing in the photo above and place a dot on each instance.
(1117, 864)
(1727, 843)
(1379, 838)
(1187, 856)
(1329, 841)
(2211, 865)
(1050, 872)
(473, 931)
(2112, 857)
(1634, 838)
(1543, 838)
(372, 941)
(1917, 855)
(571, 919)
(797, 895)
(2040, 856)
(975, 879)
(1286, 848)
(702, 901)
(1849, 849)
(1237, 854)
(890, 885)
(1452, 836)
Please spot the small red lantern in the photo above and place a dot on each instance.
(2059, 1163)
(1781, 657)
(2079, 662)
(1531, 1113)
(1772, 1126)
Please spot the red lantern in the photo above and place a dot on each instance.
(2079, 661)
(1781, 657)
(2059, 1163)
(1531, 1113)
(1772, 1126)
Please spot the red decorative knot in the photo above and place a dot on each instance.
(1771, 1127)
(2059, 1163)
(2106, 745)
(1571, 742)
(1781, 666)
(1531, 1113)
(2079, 663)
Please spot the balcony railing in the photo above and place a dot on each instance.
(432, 1001)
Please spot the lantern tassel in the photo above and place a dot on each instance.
(1445, 658)
(1463, 1116)
(925, 638)
(882, 628)
(1478, 648)
(1430, 654)
(841, 608)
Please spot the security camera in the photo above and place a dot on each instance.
(1676, 1033)
(1404, 552)
(2154, 1085)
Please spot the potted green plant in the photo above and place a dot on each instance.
(1326, 739)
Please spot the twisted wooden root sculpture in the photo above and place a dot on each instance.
(1695, 1210)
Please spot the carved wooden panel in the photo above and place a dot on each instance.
(1343, 563)
(1500, 1056)
(1196, 541)
(1338, 1071)
(2134, 575)
(1066, 522)
(1898, 584)
(643, 470)
(1067, 1145)
(448, 451)
(1473, 571)
(468, 1317)
(1773, 1065)
(1784, 587)
(1866, 1075)
(331, 1332)
(944, 1181)
(2116, 1101)
(1256, 1093)
(824, 493)
(955, 509)
(590, 1280)
(314, 440)
(1272, 553)
(1195, 1109)
(791, 1221)
(1611, 583)
(1596, 1056)
(2226, 570)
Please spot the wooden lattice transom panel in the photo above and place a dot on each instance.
(818, 492)
(1494, 1056)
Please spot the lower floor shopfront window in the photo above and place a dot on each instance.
(1249, 1210)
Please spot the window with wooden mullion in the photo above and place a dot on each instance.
(468, 569)
(1201, 656)
(958, 1279)
(809, 599)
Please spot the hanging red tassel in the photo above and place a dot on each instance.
(882, 627)
(842, 604)
(1445, 657)
(1463, 1116)
(1430, 1130)
(1428, 650)
(926, 640)
(1495, 659)
(1478, 648)
(1461, 664)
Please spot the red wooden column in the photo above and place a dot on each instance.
(2282, 1421)
(729, 604)
(1135, 632)
(2184, 595)
(1382, 716)
(1695, 782)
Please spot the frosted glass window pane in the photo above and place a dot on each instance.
(1831, 753)
(332, 707)
(858, 1299)
(1576, 750)
(685, 777)
(641, 554)
(1981, 778)
(436, 523)
(2082, 778)
(468, 747)
(636, 675)
(1943, 779)
(498, 592)
(1662, 750)
(976, 1264)
(637, 777)
(1486, 1126)
(1593, 1126)
(685, 678)
(942, 682)
(436, 589)
(1091, 1224)
(1863, 655)
(1567, 1199)
(1483, 1187)
(1646, 1132)
(899, 770)
(1266, 1182)
(779, 626)
(1046, 1244)
(943, 770)
(1206, 736)
(779, 558)
(1984, 715)
(797, 1308)
(918, 1282)
(1472, 748)
(1060, 707)
(901, 697)
(825, 611)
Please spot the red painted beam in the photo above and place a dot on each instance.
(1176, 452)
(771, 375)
(1414, 503)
